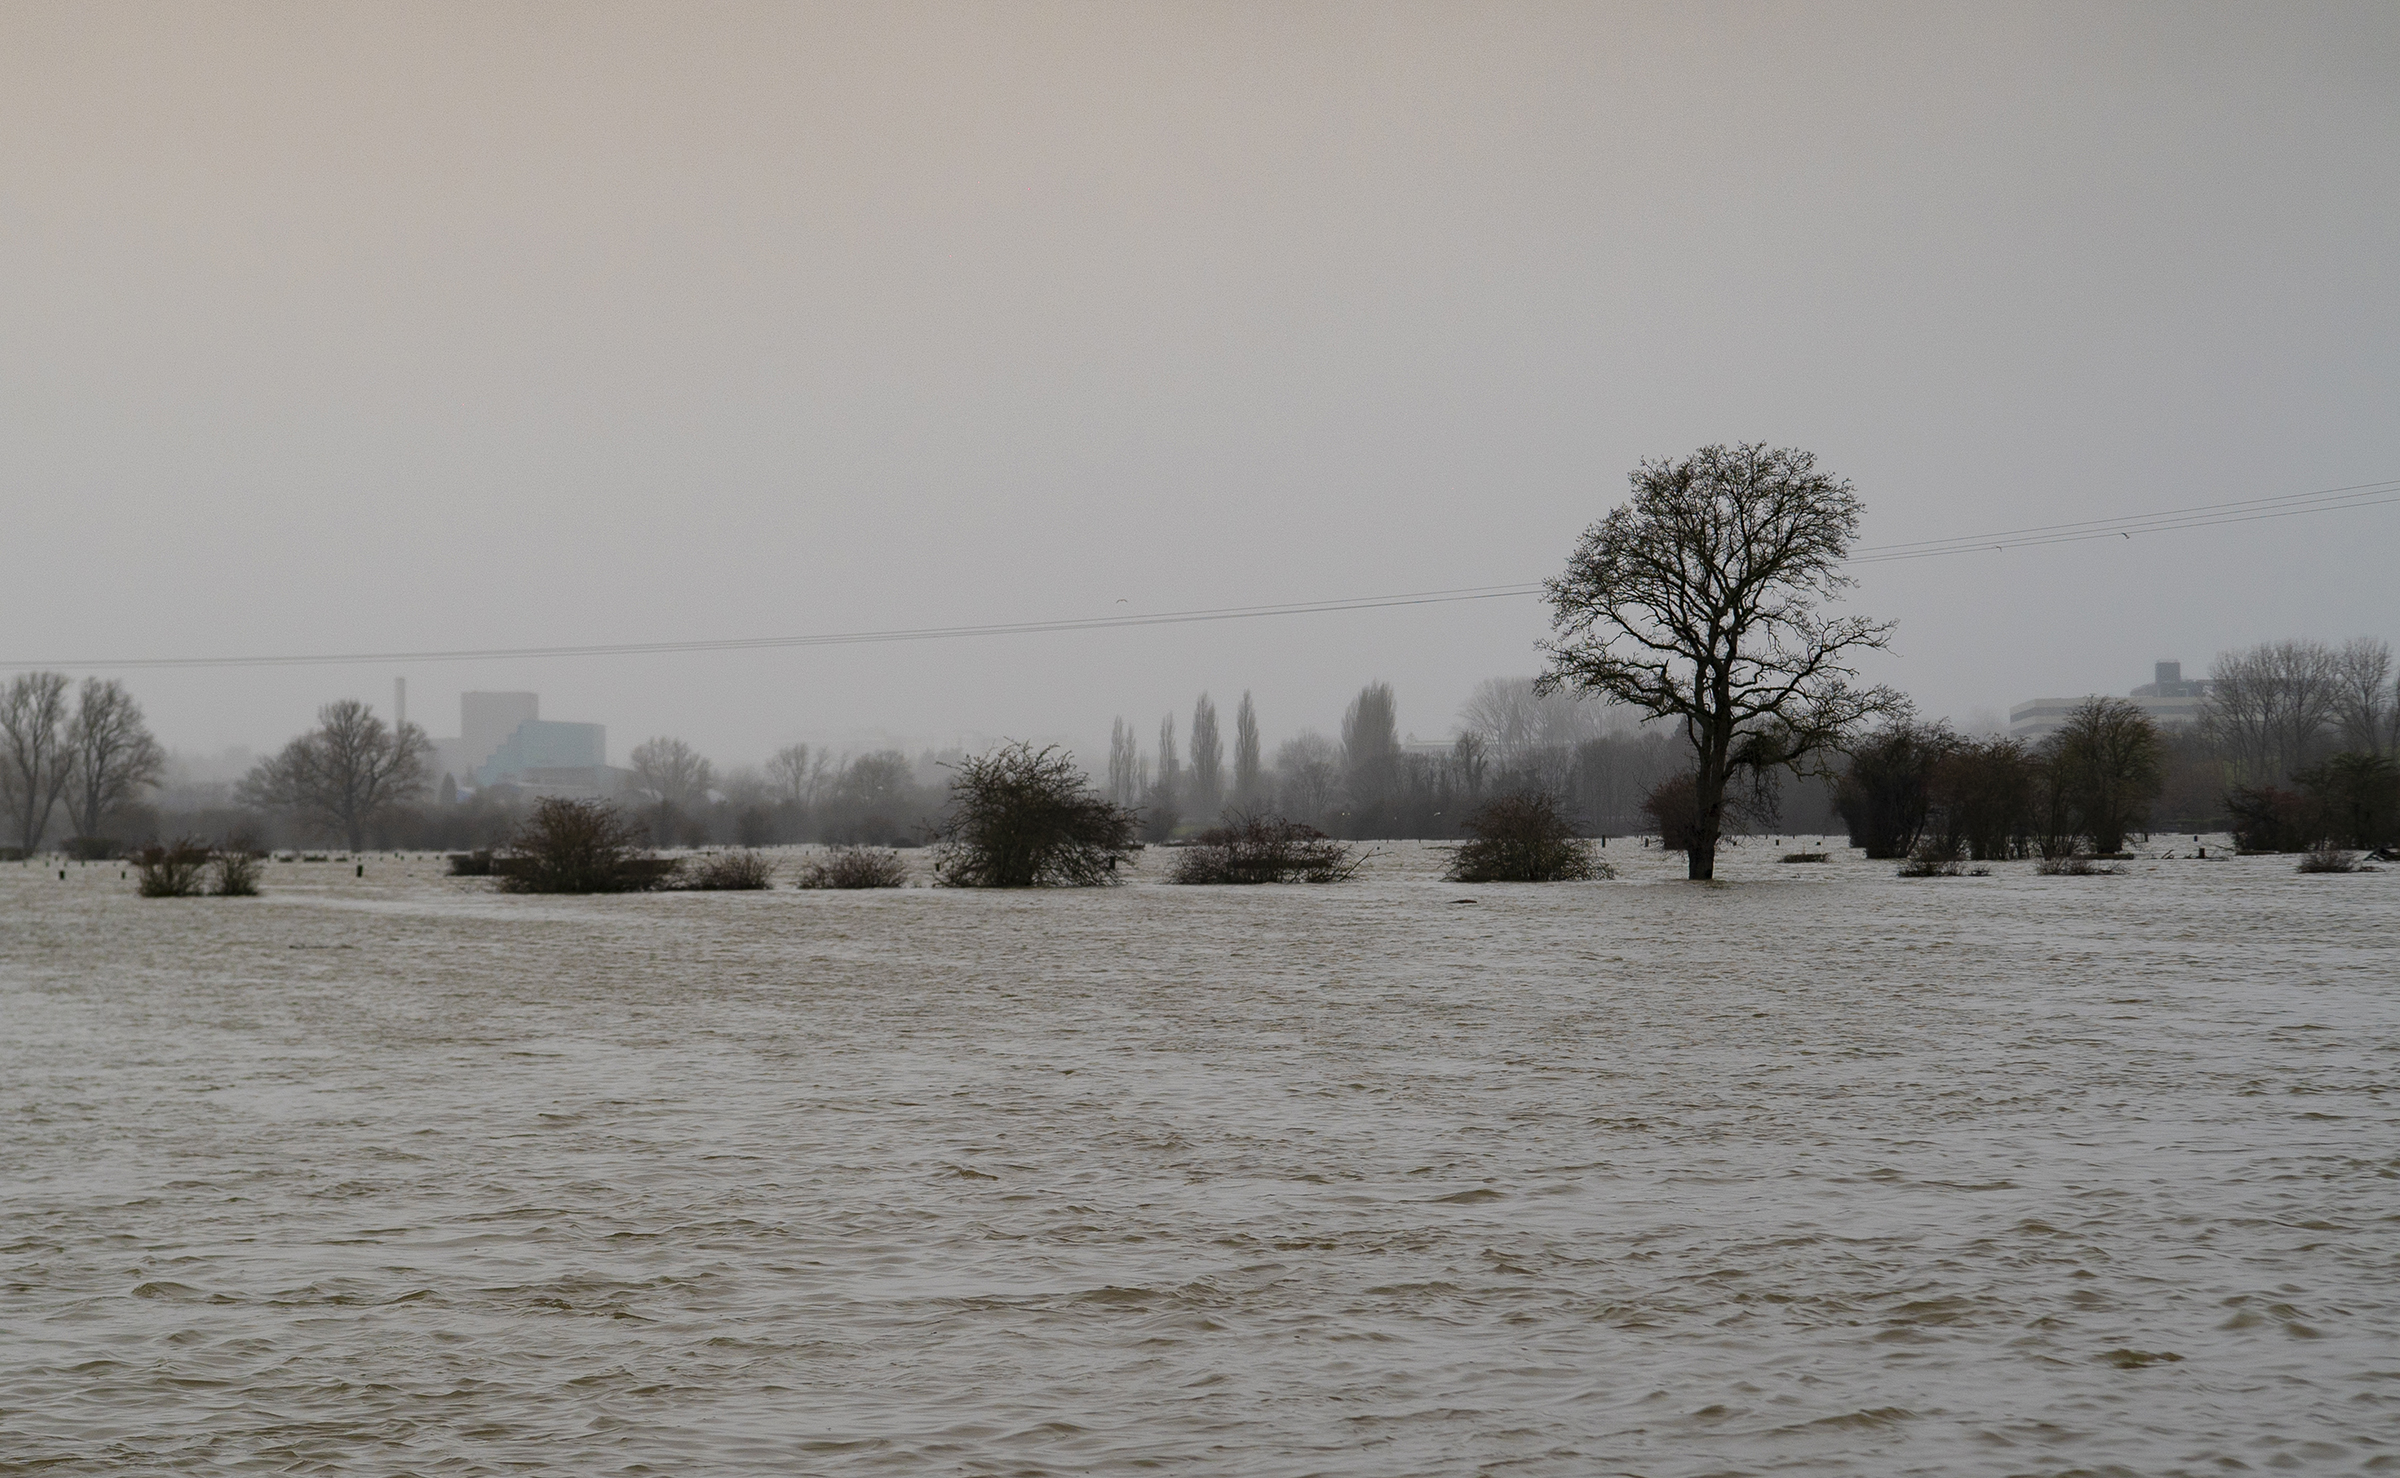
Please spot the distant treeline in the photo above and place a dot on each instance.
(2296, 743)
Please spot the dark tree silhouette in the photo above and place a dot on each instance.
(343, 773)
(111, 756)
(1698, 600)
(572, 846)
(1208, 760)
(1022, 818)
(2107, 764)
(34, 758)
(1246, 776)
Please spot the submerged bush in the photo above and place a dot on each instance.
(172, 870)
(1269, 849)
(1525, 838)
(1023, 818)
(233, 873)
(1805, 857)
(1931, 858)
(745, 871)
(569, 846)
(855, 867)
(1673, 806)
(2330, 859)
(471, 864)
(2076, 865)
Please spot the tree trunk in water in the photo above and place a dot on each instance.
(1708, 797)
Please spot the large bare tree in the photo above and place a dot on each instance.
(111, 755)
(343, 773)
(1698, 599)
(34, 759)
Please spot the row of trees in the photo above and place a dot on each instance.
(2274, 710)
(2086, 786)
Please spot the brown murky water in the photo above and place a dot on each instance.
(1817, 1172)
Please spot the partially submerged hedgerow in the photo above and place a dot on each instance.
(854, 867)
(1271, 849)
(745, 871)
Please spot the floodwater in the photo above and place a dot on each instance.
(1815, 1171)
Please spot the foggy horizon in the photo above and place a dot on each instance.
(369, 329)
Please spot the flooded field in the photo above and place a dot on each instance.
(1815, 1171)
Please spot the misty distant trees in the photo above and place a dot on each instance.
(349, 769)
(92, 756)
(797, 775)
(2274, 709)
(676, 777)
(1207, 792)
(34, 757)
(1246, 775)
(1371, 749)
(2300, 744)
(1127, 777)
(111, 755)
(1699, 600)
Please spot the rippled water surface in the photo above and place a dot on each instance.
(1817, 1171)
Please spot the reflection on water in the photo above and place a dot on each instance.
(1821, 1171)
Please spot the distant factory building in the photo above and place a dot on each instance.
(504, 740)
(2169, 698)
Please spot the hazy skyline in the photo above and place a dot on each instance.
(363, 328)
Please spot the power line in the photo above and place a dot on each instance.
(826, 639)
(2205, 515)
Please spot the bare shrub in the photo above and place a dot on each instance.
(1272, 849)
(173, 869)
(855, 867)
(2327, 858)
(1931, 858)
(570, 846)
(471, 864)
(2076, 865)
(1022, 818)
(745, 871)
(1523, 838)
(1805, 857)
(233, 873)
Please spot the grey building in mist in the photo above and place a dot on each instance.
(504, 740)
(2169, 698)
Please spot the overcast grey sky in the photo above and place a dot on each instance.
(330, 328)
